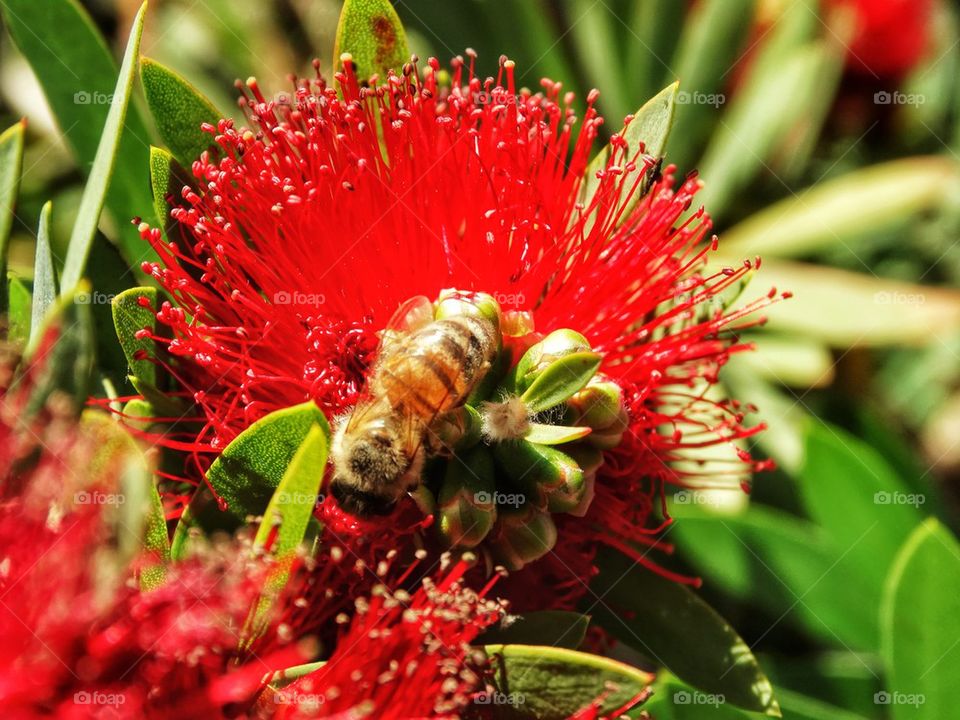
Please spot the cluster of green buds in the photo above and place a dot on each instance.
(528, 442)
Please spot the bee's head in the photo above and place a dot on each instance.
(360, 502)
(369, 469)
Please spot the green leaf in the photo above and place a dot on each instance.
(669, 623)
(167, 178)
(867, 512)
(19, 312)
(792, 361)
(95, 191)
(141, 524)
(288, 675)
(804, 707)
(156, 542)
(858, 204)
(556, 628)
(372, 33)
(650, 127)
(11, 165)
(712, 38)
(67, 364)
(178, 109)
(44, 276)
(759, 120)
(594, 38)
(78, 73)
(551, 683)
(653, 30)
(129, 317)
(554, 434)
(863, 310)
(780, 563)
(179, 543)
(560, 380)
(250, 468)
(673, 699)
(286, 520)
(291, 507)
(920, 622)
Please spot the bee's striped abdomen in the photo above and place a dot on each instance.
(436, 368)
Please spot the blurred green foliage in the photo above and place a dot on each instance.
(851, 195)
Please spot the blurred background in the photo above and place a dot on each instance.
(827, 134)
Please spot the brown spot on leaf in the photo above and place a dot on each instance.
(386, 36)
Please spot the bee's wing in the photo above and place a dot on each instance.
(413, 431)
(409, 317)
(366, 407)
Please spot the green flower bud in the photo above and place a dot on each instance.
(456, 430)
(457, 303)
(522, 536)
(554, 346)
(466, 504)
(589, 459)
(138, 413)
(610, 437)
(517, 323)
(560, 380)
(599, 404)
(568, 496)
(538, 470)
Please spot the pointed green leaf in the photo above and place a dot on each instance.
(673, 699)
(167, 179)
(288, 675)
(761, 118)
(548, 683)
(95, 192)
(129, 318)
(857, 204)
(863, 310)
(670, 624)
(11, 165)
(141, 523)
(594, 38)
(67, 364)
(291, 507)
(770, 559)
(554, 434)
(285, 522)
(44, 276)
(19, 312)
(371, 31)
(920, 624)
(712, 38)
(178, 109)
(77, 72)
(650, 126)
(560, 380)
(156, 542)
(250, 468)
(179, 543)
(854, 495)
(556, 628)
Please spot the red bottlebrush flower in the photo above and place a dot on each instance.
(81, 641)
(402, 656)
(313, 226)
(889, 37)
(80, 638)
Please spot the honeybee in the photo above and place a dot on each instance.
(424, 368)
